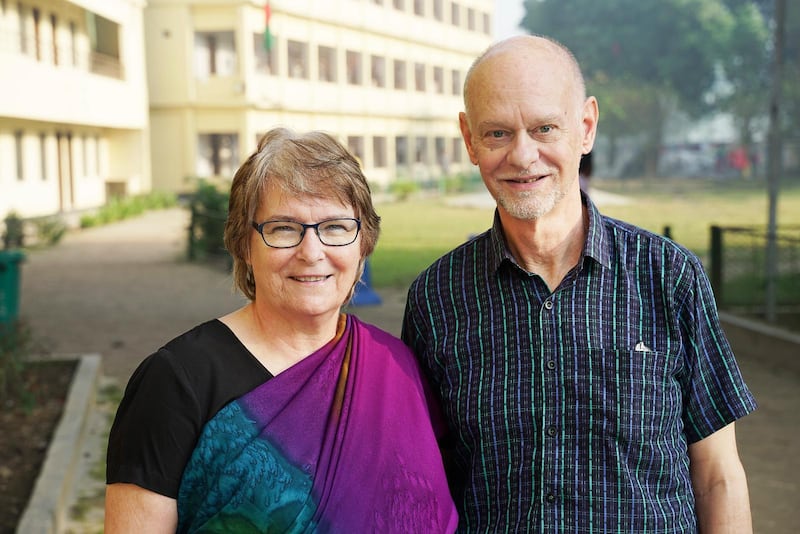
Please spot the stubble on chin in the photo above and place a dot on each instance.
(529, 206)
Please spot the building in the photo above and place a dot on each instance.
(384, 76)
(73, 105)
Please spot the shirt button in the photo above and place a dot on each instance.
(551, 431)
(550, 497)
(548, 305)
(551, 364)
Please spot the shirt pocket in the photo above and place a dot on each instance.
(634, 394)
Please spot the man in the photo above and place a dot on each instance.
(580, 361)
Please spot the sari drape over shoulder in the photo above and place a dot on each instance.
(341, 442)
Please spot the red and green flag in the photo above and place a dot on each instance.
(267, 32)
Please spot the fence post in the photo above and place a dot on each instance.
(668, 232)
(716, 263)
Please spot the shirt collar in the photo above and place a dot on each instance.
(597, 245)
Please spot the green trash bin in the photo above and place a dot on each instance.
(9, 285)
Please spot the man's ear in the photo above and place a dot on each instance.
(467, 136)
(591, 114)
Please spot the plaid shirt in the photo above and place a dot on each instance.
(572, 410)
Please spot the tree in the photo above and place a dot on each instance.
(654, 57)
(746, 67)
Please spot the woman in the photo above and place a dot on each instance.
(285, 415)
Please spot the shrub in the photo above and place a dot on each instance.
(15, 342)
(14, 234)
(209, 206)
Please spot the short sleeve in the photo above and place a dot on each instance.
(156, 427)
(716, 394)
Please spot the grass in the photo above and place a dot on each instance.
(417, 231)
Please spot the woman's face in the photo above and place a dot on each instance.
(310, 280)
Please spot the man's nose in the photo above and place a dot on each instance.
(524, 151)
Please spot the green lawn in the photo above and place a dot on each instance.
(417, 231)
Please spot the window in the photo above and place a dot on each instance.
(457, 145)
(105, 47)
(455, 14)
(378, 71)
(354, 76)
(73, 43)
(217, 154)
(438, 10)
(327, 63)
(442, 157)
(400, 5)
(19, 153)
(400, 74)
(214, 54)
(43, 155)
(438, 80)
(54, 37)
(455, 77)
(379, 151)
(86, 159)
(355, 144)
(419, 77)
(401, 150)
(298, 60)
(419, 7)
(37, 37)
(487, 24)
(23, 29)
(97, 160)
(471, 19)
(421, 150)
(266, 60)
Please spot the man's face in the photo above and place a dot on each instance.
(526, 130)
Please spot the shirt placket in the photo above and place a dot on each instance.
(549, 438)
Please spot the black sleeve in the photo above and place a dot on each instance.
(169, 399)
(156, 427)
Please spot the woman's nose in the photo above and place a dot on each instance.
(310, 247)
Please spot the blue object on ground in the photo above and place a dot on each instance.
(364, 294)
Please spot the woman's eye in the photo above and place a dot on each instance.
(282, 229)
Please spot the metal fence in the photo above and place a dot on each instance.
(738, 270)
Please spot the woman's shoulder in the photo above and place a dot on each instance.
(209, 353)
(378, 334)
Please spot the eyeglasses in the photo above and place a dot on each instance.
(288, 234)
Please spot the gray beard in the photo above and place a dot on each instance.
(530, 206)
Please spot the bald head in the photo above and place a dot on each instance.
(524, 53)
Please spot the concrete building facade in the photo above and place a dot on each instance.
(104, 98)
(384, 76)
(73, 105)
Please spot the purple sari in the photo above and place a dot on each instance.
(341, 442)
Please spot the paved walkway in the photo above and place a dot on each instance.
(122, 290)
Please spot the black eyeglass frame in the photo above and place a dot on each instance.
(259, 227)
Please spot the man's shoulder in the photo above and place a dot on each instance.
(637, 240)
(455, 260)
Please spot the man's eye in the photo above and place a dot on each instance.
(546, 129)
(497, 134)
